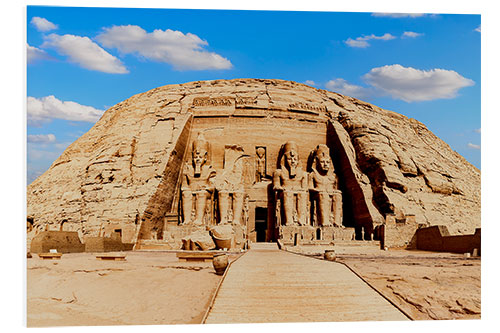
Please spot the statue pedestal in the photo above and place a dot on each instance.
(297, 235)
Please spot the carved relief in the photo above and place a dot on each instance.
(215, 101)
(326, 197)
(260, 163)
(197, 184)
(230, 185)
(307, 107)
(290, 183)
(244, 101)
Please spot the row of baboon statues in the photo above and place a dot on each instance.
(302, 198)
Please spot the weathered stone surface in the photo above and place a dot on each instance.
(106, 244)
(222, 231)
(126, 170)
(198, 240)
(62, 241)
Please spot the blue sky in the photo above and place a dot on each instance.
(82, 61)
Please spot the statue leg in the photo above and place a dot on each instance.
(237, 206)
(302, 207)
(337, 209)
(223, 206)
(201, 202)
(288, 207)
(187, 206)
(324, 208)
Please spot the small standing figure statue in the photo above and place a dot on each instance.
(260, 163)
(197, 183)
(323, 187)
(291, 184)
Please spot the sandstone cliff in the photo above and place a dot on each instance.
(123, 171)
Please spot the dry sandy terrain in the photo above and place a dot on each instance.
(155, 288)
(425, 285)
(147, 288)
(426, 288)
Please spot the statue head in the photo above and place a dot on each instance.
(261, 151)
(291, 157)
(199, 153)
(322, 158)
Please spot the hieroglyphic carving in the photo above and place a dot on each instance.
(244, 101)
(290, 183)
(197, 183)
(307, 107)
(326, 198)
(214, 101)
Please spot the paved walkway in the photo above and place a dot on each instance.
(268, 285)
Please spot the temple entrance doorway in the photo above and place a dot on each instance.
(261, 223)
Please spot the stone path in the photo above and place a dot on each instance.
(268, 285)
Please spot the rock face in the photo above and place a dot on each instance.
(124, 174)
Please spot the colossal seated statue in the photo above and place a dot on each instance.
(197, 183)
(229, 185)
(326, 198)
(290, 183)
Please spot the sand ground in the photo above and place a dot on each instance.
(425, 285)
(148, 288)
(155, 288)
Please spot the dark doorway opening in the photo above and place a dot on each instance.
(118, 233)
(261, 223)
(29, 223)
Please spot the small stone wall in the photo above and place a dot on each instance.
(106, 244)
(398, 232)
(62, 241)
(437, 238)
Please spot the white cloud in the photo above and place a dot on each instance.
(310, 82)
(46, 154)
(345, 88)
(410, 84)
(362, 41)
(85, 52)
(357, 43)
(41, 138)
(182, 51)
(411, 34)
(32, 174)
(473, 146)
(478, 29)
(34, 54)
(62, 145)
(44, 109)
(42, 24)
(398, 15)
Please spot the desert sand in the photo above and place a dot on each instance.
(148, 288)
(425, 285)
(155, 288)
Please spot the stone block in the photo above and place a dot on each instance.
(62, 241)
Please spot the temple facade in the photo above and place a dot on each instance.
(226, 163)
(258, 179)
